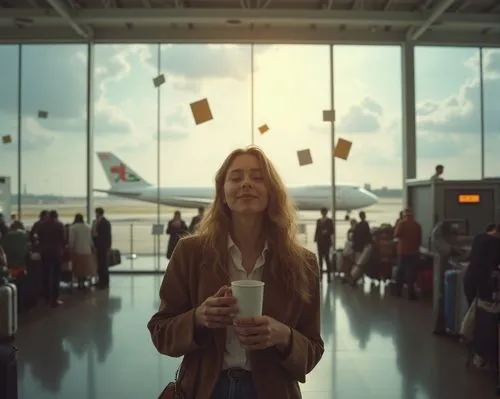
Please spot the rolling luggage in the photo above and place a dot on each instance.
(455, 302)
(114, 258)
(8, 310)
(8, 372)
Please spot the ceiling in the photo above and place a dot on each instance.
(450, 22)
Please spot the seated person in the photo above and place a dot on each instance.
(362, 242)
(347, 256)
(484, 257)
(15, 244)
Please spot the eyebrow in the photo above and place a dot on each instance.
(242, 170)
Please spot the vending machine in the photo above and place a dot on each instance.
(5, 197)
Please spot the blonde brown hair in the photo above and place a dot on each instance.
(293, 266)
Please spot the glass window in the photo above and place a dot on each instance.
(448, 113)
(54, 145)
(368, 106)
(125, 128)
(291, 90)
(9, 54)
(491, 99)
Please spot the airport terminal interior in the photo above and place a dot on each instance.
(383, 108)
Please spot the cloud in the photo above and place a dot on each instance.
(460, 113)
(362, 118)
(365, 117)
(201, 61)
(33, 137)
(54, 79)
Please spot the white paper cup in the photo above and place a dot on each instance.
(250, 296)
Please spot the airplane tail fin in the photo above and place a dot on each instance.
(120, 176)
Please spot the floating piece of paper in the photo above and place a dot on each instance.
(263, 129)
(159, 80)
(43, 114)
(201, 111)
(342, 149)
(304, 157)
(329, 115)
(7, 139)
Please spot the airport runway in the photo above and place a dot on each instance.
(133, 233)
(132, 221)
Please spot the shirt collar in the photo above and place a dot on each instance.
(231, 244)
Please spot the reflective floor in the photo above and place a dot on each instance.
(97, 346)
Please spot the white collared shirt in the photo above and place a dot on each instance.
(235, 355)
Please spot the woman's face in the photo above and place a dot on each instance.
(244, 188)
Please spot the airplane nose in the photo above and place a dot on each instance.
(370, 197)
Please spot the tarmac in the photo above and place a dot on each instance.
(132, 234)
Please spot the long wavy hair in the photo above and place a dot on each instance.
(293, 265)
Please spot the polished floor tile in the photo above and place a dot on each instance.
(97, 346)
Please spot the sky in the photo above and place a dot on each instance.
(291, 89)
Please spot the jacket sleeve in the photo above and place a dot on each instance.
(306, 346)
(173, 328)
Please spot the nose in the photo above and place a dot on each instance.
(246, 182)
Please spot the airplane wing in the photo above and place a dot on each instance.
(118, 193)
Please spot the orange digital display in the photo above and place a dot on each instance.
(469, 198)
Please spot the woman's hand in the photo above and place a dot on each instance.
(262, 332)
(217, 311)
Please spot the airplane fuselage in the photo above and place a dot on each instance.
(306, 198)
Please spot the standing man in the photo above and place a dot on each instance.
(101, 233)
(52, 243)
(323, 237)
(409, 235)
(196, 220)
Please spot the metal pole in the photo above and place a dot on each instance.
(481, 102)
(252, 94)
(158, 155)
(19, 130)
(132, 254)
(332, 145)
(90, 129)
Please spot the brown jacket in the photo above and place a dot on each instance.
(409, 234)
(189, 279)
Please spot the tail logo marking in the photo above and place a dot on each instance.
(120, 174)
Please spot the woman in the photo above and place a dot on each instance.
(80, 247)
(250, 232)
(176, 228)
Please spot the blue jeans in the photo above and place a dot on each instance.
(229, 387)
(407, 269)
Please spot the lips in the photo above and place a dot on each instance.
(247, 196)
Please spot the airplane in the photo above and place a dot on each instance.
(126, 183)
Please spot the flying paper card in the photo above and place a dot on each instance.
(43, 114)
(201, 111)
(264, 128)
(342, 149)
(304, 157)
(7, 139)
(329, 115)
(159, 80)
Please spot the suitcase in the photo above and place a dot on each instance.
(455, 302)
(114, 258)
(8, 311)
(8, 372)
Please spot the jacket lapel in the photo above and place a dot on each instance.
(276, 300)
(211, 279)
